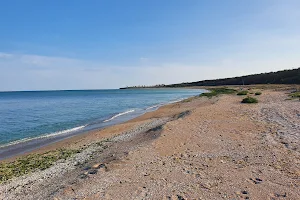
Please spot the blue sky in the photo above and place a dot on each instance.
(110, 44)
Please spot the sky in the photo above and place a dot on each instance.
(106, 44)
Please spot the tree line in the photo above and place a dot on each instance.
(280, 77)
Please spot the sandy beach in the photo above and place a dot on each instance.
(199, 148)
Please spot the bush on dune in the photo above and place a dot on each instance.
(244, 92)
(249, 100)
(217, 91)
(295, 95)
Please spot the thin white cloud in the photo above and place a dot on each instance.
(38, 60)
(144, 59)
(5, 55)
(88, 75)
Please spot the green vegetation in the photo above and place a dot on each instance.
(32, 162)
(295, 95)
(249, 100)
(281, 77)
(244, 92)
(217, 91)
(258, 93)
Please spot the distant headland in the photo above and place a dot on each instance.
(291, 76)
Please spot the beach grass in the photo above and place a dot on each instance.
(295, 95)
(32, 162)
(217, 91)
(244, 92)
(249, 100)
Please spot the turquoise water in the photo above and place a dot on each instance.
(38, 114)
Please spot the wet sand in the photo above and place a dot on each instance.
(200, 148)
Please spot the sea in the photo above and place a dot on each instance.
(31, 119)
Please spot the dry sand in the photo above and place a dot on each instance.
(198, 149)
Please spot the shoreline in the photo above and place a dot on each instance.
(10, 152)
(50, 144)
(208, 148)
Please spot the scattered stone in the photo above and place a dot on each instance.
(98, 166)
(179, 197)
(162, 163)
(93, 171)
(244, 192)
(280, 195)
(87, 168)
(76, 163)
(256, 180)
(103, 168)
(83, 176)
(197, 175)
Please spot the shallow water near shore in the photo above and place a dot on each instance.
(32, 119)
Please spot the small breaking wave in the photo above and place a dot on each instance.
(44, 136)
(166, 103)
(118, 115)
(157, 105)
(175, 101)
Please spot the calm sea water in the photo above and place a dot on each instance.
(27, 115)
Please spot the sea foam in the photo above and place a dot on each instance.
(118, 115)
(44, 136)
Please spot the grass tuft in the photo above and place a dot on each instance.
(217, 91)
(258, 93)
(244, 92)
(295, 95)
(249, 100)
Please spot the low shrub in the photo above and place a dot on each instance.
(295, 95)
(249, 100)
(258, 93)
(217, 91)
(244, 92)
